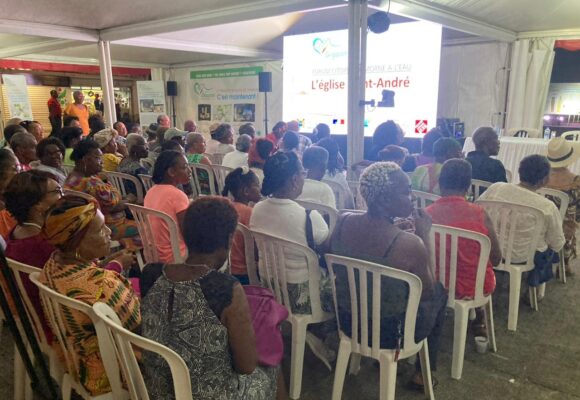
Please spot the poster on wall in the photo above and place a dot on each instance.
(151, 95)
(17, 94)
(226, 96)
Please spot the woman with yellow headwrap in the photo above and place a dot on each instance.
(76, 227)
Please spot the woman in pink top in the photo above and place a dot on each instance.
(453, 210)
(170, 170)
(244, 186)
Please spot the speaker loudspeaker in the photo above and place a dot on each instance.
(265, 82)
(171, 88)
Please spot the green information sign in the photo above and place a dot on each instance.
(226, 73)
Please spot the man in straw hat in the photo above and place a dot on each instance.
(483, 166)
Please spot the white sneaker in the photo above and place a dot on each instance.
(320, 350)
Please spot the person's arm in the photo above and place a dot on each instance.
(554, 232)
(499, 174)
(495, 253)
(237, 320)
(319, 227)
(205, 160)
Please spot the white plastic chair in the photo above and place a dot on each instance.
(425, 199)
(523, 132)
(147, 181)
(359, 202)
(272, 264)
(216, 158)
(508, 175)
(478, 187)
(220, 172)
(505, 217)
(119, 180)
(323, 210)
(142, 217)
(56, 307)
(343, 197)
(571, 135)
(250, 252)
(110, 328)
(361, 312)
(444, 240)
(562, 200)
(195, 170)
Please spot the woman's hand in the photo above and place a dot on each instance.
(126, 259)
(422, 223)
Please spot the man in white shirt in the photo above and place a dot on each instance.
(315, 161)
(534, 174)
(239, 157)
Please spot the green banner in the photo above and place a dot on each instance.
(226, 73)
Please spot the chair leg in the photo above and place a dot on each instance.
(297, 359)
(66, 387)
(562, 266)
(514, 303)
(19, 376)
(354, 364)
(489, 324)
(459, 337)
(542, 290)
(388, 379)
(533, 292)
(340, 370)
(426, 370)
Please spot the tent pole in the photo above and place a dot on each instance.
(106, 71)
(357, 37)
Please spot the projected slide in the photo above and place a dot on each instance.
(405, 60)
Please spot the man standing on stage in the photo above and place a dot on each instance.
(54, 112)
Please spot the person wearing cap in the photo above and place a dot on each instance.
(106, 139)
(222, 140)
(561, 155)
(483, 166)
(534, 174)
(176, 135)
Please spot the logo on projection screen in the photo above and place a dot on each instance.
(421, 126)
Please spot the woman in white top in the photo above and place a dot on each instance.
(223, 139)
(239, 157)
(335, 171)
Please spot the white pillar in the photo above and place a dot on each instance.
(357, 53)
(106, 69)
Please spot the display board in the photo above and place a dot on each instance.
(17, 95)
(151, 95)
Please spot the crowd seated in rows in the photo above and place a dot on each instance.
(426, 177)
(487, 145)
(50, 152)
(222, 140)
(315, 161)
(239, 157)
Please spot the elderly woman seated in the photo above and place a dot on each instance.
(204, 316)
(50, 152)
(86, 178)
(374, 237)
(76, 227)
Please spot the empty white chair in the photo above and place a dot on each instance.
(109, 327)
(119, 180)
(147, 181)
(358, 275)
(444, 241)
(478, 187)
(250, 252)
(508, 175)
(523, 132)
(324, 210)
(271, 250)
(562, 200)
(56, 308)
(197, 171)
(505, 218)
(220, 172)
(425, 199)
(142, 217)
(571, 135)
(342, 196)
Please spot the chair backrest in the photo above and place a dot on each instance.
(506, 218)
(143, 217)
(147, 181)
(478, 187)
(523, 132)
(561, 199)
(77, 193)
(123, 341)
(220, 172)
(341, 194)
(359, 202)
(360, 276)
(250, 252)
(18, 270)
(57, 310)
(120, 180)
(196, 169)
(445, 242)
(508, 175)
(272, 251)
(425, 199)
(571, 135)
(325, 210)
(215, 158)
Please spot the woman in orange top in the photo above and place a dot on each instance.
(79, 110)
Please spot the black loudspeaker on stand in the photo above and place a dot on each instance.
(172, 91)
(265, 86)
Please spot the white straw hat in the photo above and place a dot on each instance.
(562, 152)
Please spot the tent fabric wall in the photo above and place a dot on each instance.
(531, 68)
(472, 83)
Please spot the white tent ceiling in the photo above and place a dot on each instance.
(185, 32)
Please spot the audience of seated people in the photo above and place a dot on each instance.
(290, 143)
(70, 136)
(385, 134)
(335, 171)
(34, 128)
(175, 135)
(107, 141)
(258, 155)
(247, 129)
(426, 177)
(277, 134)
(239, 157)
(396, 154)
(171, 169)
(195, 148)
(426, 156)
(24, 147)
(50, 152)
(452, 209)
(562, 154)
(374, 237)
(222, 140)
(486, 168)
(137, 150)
(315, 162)
(534, 174)
(304, 141)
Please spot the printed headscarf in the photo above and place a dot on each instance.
(61, 227)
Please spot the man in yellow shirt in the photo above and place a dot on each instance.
(106, 139)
